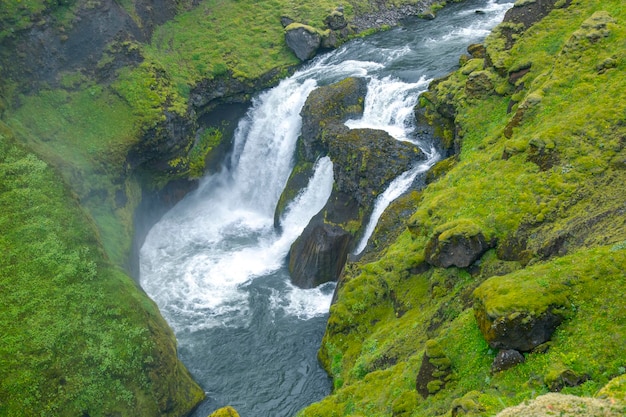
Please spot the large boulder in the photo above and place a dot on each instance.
(303, 40)
(458, 243)
(318, 255)
(365, 161)
(519, 311)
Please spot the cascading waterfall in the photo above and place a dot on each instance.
(215, 265)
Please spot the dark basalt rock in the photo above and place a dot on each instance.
(303, 40)
(318, 255)
(506, 359)
(459, 244)
(435, 370)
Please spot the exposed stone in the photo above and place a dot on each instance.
(519, 313)
(303, 40)
(336, 20)
(458, 243)
(435, 370)
(333, 104)
(506, 359)
(286, 21)
(479, 84)
(318, 255)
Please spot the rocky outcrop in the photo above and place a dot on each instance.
(459, 243)
(365, 161)
(506, 359)
(318, 255)
(519, 314)
(303, 40)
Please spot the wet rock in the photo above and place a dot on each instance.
(318, 255)
(506, 359)
(458, 243)
(303, 40)
(329, 105)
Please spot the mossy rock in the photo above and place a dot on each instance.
(615, 389)
(565, 406)
(227, 411)
(518, 311)
(458, 243)
(303, 40)
(435, 370)
(467, 405)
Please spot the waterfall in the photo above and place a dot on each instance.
(215, 264)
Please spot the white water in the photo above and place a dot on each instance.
(215, 265)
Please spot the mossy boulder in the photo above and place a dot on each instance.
(519, 312)
(458, 243)
(303, 40)
(566, 406)
(365, 161)
(505, 359)
(227, 411)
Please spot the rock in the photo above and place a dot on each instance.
(435, 370)
(336, 20)
(227, 411)
(365, 161)
(286, 21)
(303, 40)
(506, 359)
(476, 50)
(479, 84)
(333, 104)
(558, 379)
(318, 255)
(458, 243)
(518, 311)
(565, 405)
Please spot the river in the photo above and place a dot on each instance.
(215, 264)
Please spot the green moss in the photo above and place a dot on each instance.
(566, 217)
(79, 336)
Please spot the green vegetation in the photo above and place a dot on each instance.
(545, 181)
(73, 325)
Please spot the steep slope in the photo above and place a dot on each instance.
(506, 282)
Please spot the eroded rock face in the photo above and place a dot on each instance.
(458, 243)
(318, 255)
(365, 161)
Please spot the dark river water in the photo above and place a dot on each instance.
(216, 266)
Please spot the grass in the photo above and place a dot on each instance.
(73, 325)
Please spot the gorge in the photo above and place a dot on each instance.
(215, 265)
(491, 287)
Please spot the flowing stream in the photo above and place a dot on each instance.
(215, 264)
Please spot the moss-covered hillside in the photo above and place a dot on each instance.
(522, 232)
